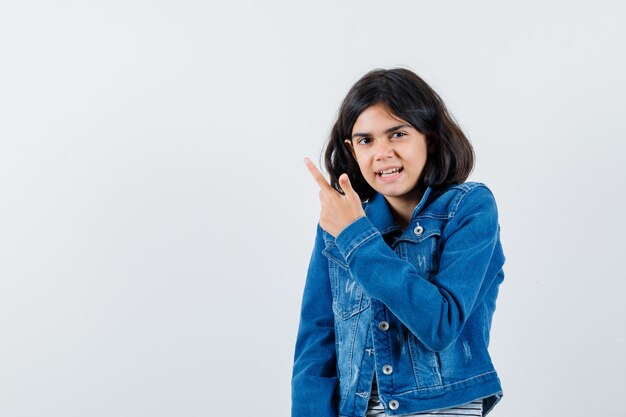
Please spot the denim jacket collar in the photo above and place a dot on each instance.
(378, 212)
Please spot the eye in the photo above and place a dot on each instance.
(398, 134)
(363, 141)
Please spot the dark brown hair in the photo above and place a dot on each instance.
(408, 97)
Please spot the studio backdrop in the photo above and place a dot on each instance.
(156, 218)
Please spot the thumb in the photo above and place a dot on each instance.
(346, 185)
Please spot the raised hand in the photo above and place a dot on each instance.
(337, 210)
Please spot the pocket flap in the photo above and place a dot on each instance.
(331, 251)
(428, 233)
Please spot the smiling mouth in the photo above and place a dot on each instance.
(389, 172)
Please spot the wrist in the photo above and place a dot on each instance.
(348, 225)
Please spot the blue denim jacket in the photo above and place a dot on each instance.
(413, 306)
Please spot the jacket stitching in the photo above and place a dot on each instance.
(350, 356)
(462, 196)
(437, 387)
(362, 241)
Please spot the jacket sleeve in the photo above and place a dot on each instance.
(314, 380)
(434, 311)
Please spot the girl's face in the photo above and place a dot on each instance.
(391, 153)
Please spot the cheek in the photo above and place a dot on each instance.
(363, 166)
(419, 157)
(365, 171)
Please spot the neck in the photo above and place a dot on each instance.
(402, 207)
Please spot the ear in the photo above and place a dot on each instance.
(348, 143)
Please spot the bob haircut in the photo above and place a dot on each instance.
(450, 157)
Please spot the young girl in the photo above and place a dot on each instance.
(403, 279)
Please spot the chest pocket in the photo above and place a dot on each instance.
(422, 250)
(348, 296)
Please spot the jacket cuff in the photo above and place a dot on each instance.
(355, 234)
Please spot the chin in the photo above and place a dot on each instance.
(393, 193)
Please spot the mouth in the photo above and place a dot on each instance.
(389, 172)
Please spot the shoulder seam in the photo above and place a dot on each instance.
(465, 191)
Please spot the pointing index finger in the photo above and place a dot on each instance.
(317, 175)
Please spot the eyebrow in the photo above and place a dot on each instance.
(391, 129)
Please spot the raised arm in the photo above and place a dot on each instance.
(434, 311)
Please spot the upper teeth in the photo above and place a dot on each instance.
(389, 171)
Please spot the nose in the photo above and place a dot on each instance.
(383, 149)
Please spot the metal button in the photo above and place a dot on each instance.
(383, 325)
(394, 404)
(418, 230)
(387, 369)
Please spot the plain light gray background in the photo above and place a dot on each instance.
(156, 219)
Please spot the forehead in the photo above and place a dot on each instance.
(377, 118)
